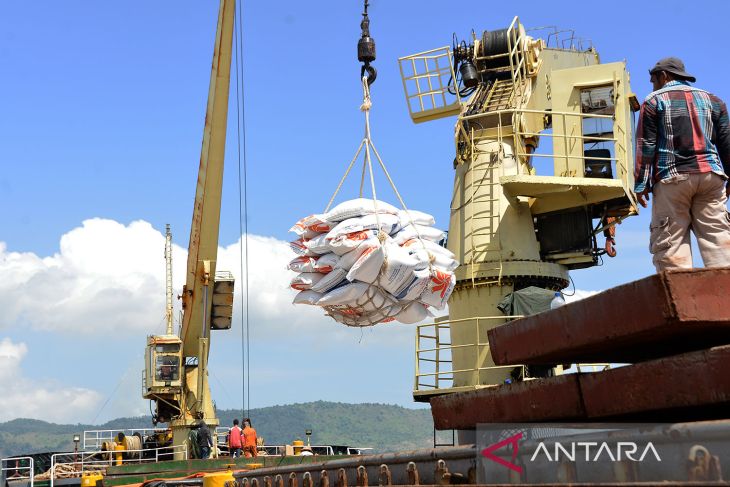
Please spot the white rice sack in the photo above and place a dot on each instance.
(348, 260)
(372, 307)
(433, 247)
(326, 263)
(306, 280)
(426, 233)
(330, 280)
(318, 245)
(307, 297)
(440, 287)
(414, 288)
(368, 265)
(345, 243)
(339, 272)
(374, 299)
(357, 207)
(398, 269)
(302, 263)
(414, 216)
(353, 317)
(306, 263)
(311, 226)
(346, 315)
(436, 260)
(298, 247)
(388, 224)
(348, 293)
(413, 313)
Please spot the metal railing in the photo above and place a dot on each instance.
(74, 464)
(17, 469)
(518, 134)
(426, 77)
(93, 439)
(439, 354)
(280, 450)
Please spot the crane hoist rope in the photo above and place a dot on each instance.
(242, 211)
(366, 55)
(386, 263)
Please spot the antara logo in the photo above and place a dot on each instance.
(621, 450)
(512, 440)
(628, 448)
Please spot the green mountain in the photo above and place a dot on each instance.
(381, 426)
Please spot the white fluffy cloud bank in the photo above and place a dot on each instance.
(25, 398)
(111, 277)
(105, 277)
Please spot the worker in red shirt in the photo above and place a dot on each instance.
(249, 439)
(235, 443)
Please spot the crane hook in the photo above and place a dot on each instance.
(610, 233)
(366, 47)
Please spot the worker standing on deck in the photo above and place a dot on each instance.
(683, 158)
(205, 443)
(234, 440)
(249, 439)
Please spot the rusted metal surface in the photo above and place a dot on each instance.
(459, 465)
(418, 467)
(535, 400)
(658, 316)
(686, 387)
(690, 386)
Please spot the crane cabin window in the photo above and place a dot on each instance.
(597, 103)
(167, 368)
(167, 348)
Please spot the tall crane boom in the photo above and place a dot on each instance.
(176, 376)
(203, 247)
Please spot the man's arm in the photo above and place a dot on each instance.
(646, 142)
(722, 138)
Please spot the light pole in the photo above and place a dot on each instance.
(77, 438)
(308, 432)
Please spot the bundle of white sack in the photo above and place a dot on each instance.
(366, 262)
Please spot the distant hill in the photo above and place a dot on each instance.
(381, 426)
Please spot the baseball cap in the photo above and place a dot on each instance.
(672, 65)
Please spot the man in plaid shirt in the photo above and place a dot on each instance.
(683, 158)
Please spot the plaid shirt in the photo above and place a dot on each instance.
(681, 129)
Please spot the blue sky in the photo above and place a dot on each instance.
(103, 108)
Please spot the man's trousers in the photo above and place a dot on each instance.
(691, 201)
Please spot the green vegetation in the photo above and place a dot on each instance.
(381, 426)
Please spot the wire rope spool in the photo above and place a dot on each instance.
(495, 46)
(107, 447)
(132, 445)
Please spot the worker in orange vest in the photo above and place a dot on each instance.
(249, 439)
(234, 440)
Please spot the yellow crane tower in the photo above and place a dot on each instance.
(176, 373)
(544, 148)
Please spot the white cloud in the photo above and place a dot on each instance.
(271, 311)
(25, 398)
(111, 277)
(106, 277)
(578, 295)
